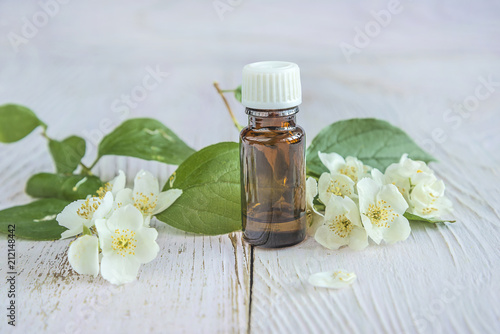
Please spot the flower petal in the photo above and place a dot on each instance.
(379, 177)
(399, 230)
(147, 249)
(333, 236)
(83, 255)
(355, 169)
(352, 211)
(314, 222)
(146, 183)
(327, 238)
(391, 195)
(127, 217)
(358, 239)
(70, 219)
(374, 232)
(332, 161)
(323, 184)
(367, 191)
(332, 279)
(311, 191)
(124, 197)
(118, 183)
(119, 270)
(314, 218)
(104, 235)
(407, 169)
(166, 199)
(72, 232)
(334, 184)
(105, 206)
(334, 207)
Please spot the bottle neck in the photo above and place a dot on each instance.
(282, 119)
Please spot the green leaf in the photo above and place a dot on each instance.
(414, 218)
(147, 139)
(67, 187)
(237, 93)
(375, 142)
(67, 154)
(35, 221)
(16, 122)
(210, 202)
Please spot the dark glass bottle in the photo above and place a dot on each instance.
(273, 192)
(272, 155)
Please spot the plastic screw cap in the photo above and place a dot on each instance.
(271, 85)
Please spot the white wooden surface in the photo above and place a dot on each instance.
(443, 279)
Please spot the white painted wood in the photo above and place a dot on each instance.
(195, 284)
(430, 56)
(443, 279)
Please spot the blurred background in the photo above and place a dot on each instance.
(85, 66)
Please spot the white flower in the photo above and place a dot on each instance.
(334, 184)
(420, 187)
(146, 195)
(417, 170)
(382, 208)
(125, 244)
(401, 182)
(332, 279)
(84, 212)
(342, 225)
(83, 255)
(428, 200)
(114, 186)
(350, 166)
(314, 218)
(408, 173)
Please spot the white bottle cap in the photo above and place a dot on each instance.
(271, 85)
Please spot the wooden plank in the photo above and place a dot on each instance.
(442, 279)
(196, 284)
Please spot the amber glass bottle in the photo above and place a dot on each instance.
(272, 155)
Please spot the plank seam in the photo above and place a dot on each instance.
(252, 259)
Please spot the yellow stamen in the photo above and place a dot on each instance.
(88, 208)
(103, 190)
(338, 189)
(341, 225)
(123, 242)
(350, 171)
(145, 203)
(381, 214)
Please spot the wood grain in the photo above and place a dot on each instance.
(428, 59)
(443, 279)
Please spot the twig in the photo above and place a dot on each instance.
(221, 93)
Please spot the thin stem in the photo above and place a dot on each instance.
(85, 169)
(221, 93)
(94, 163)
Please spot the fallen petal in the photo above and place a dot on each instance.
(336, 279)
(83, 255)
